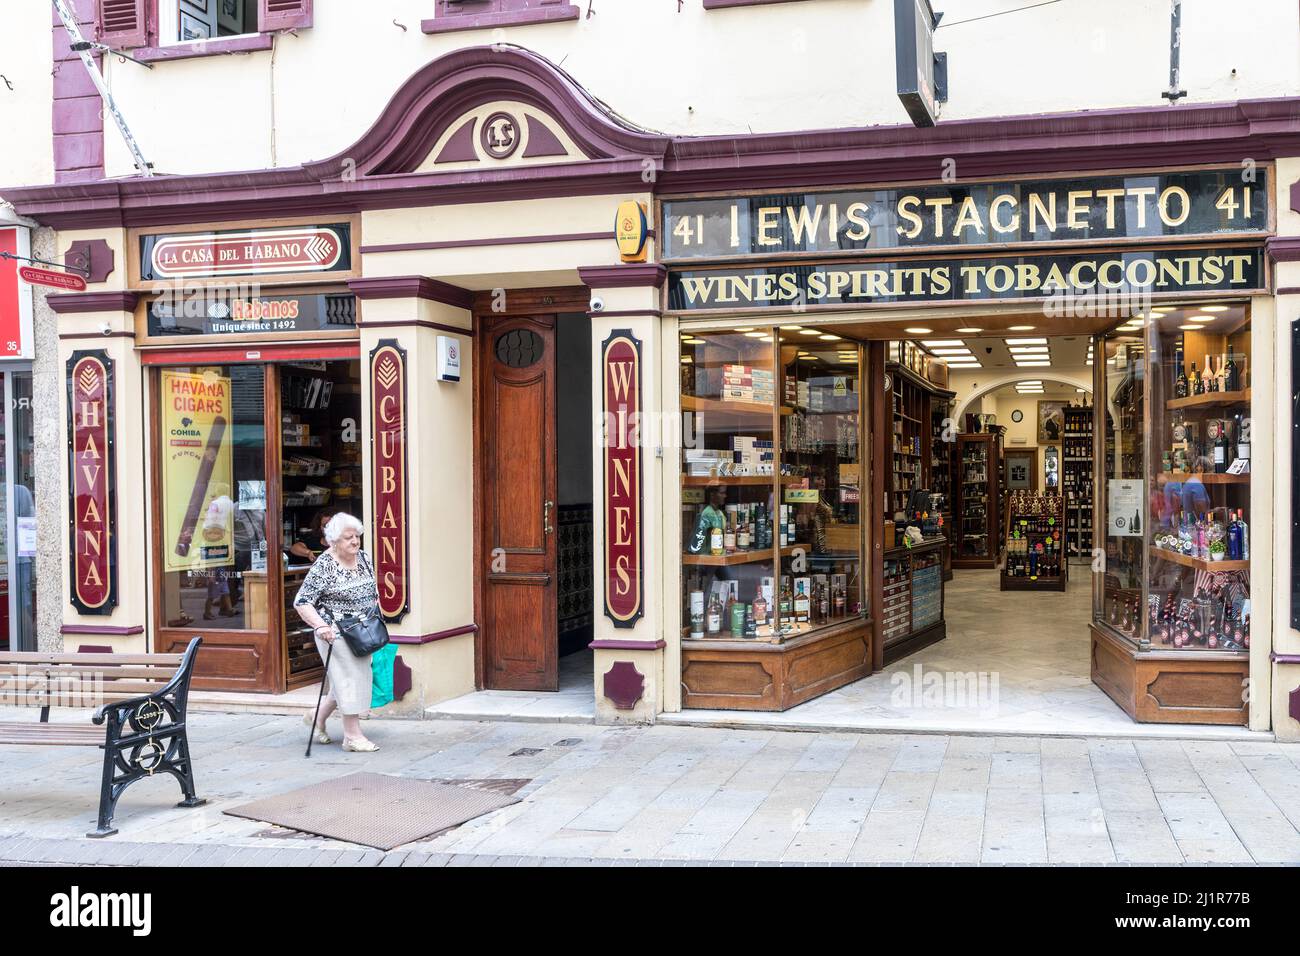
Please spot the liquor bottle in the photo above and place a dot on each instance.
(751, 625)
(759, 606)
(1242, 435)
(802, 607)
(1233, 377)
(716, 540)
(1180, 384)
(823, 602)
(697, 614)
(1195, 381)
(714, 617)
(790, 534)
(1245, 535)
(781, 525)
(729, 611)
(1221, 376)
(838, 600)
(739, 611)
(742, 529)
(1218, 434)
(1207, 376)
(786, 602)
(729, 533)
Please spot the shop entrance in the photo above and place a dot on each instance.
(534, 501)
(250, 460)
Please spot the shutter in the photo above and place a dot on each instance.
(283, 14)
(124, 23)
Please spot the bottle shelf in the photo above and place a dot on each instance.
(752, 556)
(703, 481)
(1209, 400)
(1200, 564)
(1209, 478)
(696, 403)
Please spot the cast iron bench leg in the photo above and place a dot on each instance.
(183, 769)
(107, 799)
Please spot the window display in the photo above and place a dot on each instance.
(770, 492)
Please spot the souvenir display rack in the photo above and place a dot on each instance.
(1076, 481)
(1035, 542)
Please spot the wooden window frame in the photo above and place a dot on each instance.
(452, 16)
(142, 38)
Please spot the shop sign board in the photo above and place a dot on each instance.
(200, 314)
(15, 295)
(631, 229)
(1236, 269)
(198, 510)
(63, 281)
(389, 479)
(92, 488)
(621, 414)
(921, 73)
(1221, 202)
(247, 252)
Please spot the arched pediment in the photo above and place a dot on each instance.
(489, 107)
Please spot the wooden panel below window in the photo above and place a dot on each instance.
(228, 660)
(774, 677)
(1170, 687)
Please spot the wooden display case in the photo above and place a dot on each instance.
(976, 508)
(1034, 533)
(912, 610)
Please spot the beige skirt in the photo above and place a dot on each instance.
(349, 679)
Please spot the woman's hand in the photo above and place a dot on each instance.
(326, 633)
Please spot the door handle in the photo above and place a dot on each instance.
(546, 517)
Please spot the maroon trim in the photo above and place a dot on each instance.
(500, 241)
(68, 303)
(416, 323)
(624, 685)
(197, 48)
(93, 257)
(623, 277)
(411, 287)
(94, 649)
(1293, 707)
(626, 313)
(511, 18)
(1277, 658)
(541, 141)
(435, 636)
(611, 645)
(237, 354)
(101, 629)
(1283, 248)
(401, 678)
(460, 147)
(1288, 290)
(724, 4)
(76, 112)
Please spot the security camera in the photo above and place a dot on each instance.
(105, 328)
(988, 350)
(597, 304)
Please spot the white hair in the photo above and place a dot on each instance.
(340, 525)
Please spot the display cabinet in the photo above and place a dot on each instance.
(942, 450)
(976, 525)
(774, 590)
(1034, 539)
(1076, 479)
(912, 610)
(1172, 623)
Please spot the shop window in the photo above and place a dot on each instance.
(1178, 523)
(453, 15)
(772, 477)
(150, 24)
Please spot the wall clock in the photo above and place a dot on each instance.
(1017, 416)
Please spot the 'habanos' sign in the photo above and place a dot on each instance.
(91, 482)
(388, 430)
(247, 252)
(621, 390)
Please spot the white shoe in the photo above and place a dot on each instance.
(360, 746)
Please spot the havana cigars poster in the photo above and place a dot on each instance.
(198, 510)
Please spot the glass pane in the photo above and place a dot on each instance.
(213, 497)
(23, 554)
(1198, 597)
(1125, 385)
(728, 473)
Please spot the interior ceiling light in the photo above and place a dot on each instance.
(766, 338)
(941, 343)
(1161, 311)
(1200, 318)
(1033, 364)
(686, 358)
(1215, 308)
(1190, 328)
(830, 338)
(809, 332)
(917, 330)
(791, 328)
(1020, 328)
(1025, 341)
(755, 335)
(951, 352)
(745, 328)
(1027, 348)
(965, 365)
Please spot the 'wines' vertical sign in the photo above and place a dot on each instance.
(91, 483)
(621, 388)
(388, 476)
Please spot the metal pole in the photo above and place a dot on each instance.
(78, 43)
(1175, 92)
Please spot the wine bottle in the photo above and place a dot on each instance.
(759, 606)
(1180, 384)
(1233, 377)
(1207, 376)
(697, 614)
(714, 617)
(1196, 381)
(1221, 376)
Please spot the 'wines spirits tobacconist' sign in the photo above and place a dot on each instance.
(826, 240)
(92, 488)
(247, 252)
(621, 407)
(388, 426)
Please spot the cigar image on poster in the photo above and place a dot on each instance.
(197, 470)
(199, 494)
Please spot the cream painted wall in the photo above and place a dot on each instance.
(787, 66)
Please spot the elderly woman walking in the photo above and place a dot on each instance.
(341, 584)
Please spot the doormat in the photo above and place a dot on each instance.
(374, 809)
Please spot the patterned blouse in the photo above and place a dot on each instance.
(335, 591)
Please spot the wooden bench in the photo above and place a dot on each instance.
(138, 698)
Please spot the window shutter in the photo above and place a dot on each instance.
(124, 23)
(283, 14)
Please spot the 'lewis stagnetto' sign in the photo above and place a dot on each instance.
(993, 278)
(248, 252)
(1152, 206)
(92, 566)
(621, 389)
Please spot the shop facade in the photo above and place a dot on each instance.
(438, 276)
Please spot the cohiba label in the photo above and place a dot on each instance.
(621, 390)
(388, 479)
(246, 252)
(91, 482)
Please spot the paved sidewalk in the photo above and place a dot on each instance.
(693, 796)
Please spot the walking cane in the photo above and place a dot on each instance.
(319, 697)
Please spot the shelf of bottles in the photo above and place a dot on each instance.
(1076, 478)
(978, 489)
(1035, 542)
(943, 444)
(771, 484)
(911, 417)
(1124, 372)
(1199, 570)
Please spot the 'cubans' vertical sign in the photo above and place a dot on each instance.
(621, 385)
(388, 479)
(91, 486)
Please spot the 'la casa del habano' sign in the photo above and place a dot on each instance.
(852, 246)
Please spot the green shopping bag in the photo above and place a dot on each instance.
(381, 675)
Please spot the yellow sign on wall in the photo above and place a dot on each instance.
(198, 507)
(631, 229)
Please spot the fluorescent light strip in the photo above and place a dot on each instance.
(1033, 364)
(1025, 341)
(941, 343)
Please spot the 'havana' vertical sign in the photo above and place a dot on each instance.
(388, 431)
(91, 482)
(621, 389)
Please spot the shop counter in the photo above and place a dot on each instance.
(911, 615)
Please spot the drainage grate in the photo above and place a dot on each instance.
(568, 742)
(526, 752)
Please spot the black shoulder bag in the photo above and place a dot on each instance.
(368, 633)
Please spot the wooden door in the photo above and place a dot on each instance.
(517, 491)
